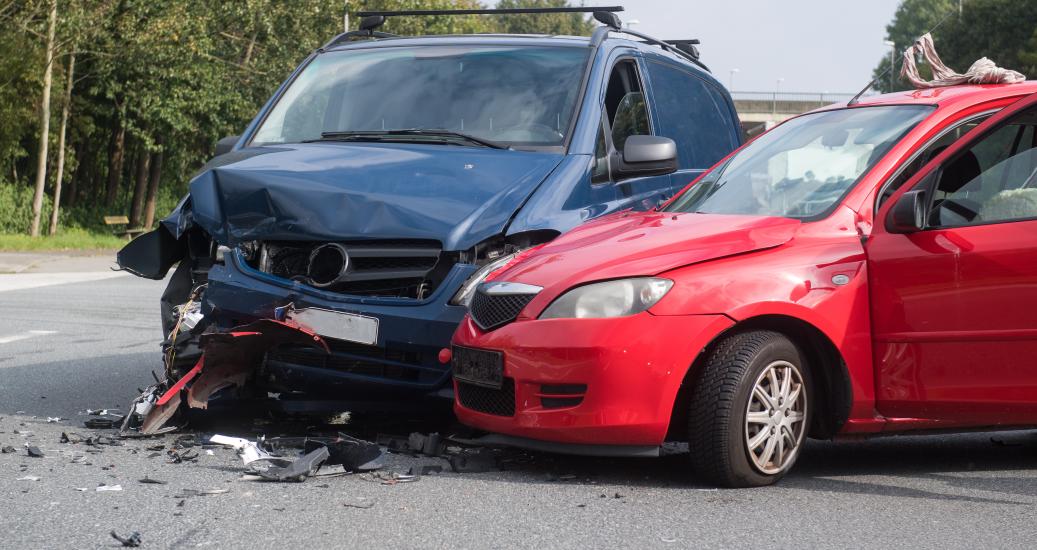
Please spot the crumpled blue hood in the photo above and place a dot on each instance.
(340, 191)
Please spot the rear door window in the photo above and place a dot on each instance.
(693, 114)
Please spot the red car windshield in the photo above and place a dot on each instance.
(804, 167)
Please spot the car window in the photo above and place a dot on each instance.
(692, 114)
(516, 95)
(994, 180)
(803, 167)
(625, 104)
(929, 153)
(600, 170)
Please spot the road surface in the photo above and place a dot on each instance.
(69, 342)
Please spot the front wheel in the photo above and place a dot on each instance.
(750, 410)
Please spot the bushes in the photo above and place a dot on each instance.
(16, 208)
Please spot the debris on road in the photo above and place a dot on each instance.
(7, 449)
(186, 493)
(28, 478)
(363, 504)
(298, 470)
(351, 453)
(132, 540)
(148, 480)
(105, 487)
(102, 423)
(71, 437)
(33, 451)
(177, 457)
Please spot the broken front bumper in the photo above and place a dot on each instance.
(396, 373)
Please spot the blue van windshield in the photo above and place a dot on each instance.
(513, 95)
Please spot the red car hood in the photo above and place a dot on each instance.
(644, 244)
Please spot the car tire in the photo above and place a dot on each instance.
(744, 416)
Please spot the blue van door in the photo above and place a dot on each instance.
(626, 112)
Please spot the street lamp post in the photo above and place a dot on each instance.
(731, 79)
(892, 62)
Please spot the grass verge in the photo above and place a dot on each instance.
(69, 239)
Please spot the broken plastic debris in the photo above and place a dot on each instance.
(102, 423)
(129, 541)
(362, 504)
(249, 451)
(7, 449)
(298, 470)
(28, 478)
(148, 480)
(176, 457)
(33, 451)
(352, 453)
(185, 493)
(53, 419)
(71, 437)
(103, 487)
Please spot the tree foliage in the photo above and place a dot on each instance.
(158, 82)
(1003, 30)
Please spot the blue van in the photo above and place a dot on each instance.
(389, 175)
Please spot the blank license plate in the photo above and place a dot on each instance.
(337, 324)
(479, 367)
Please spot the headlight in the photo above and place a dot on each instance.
(609, 299)
(467, 290)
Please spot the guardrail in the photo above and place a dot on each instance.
(785, 102)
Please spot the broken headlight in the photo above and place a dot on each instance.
(617, 298)
(467, 290)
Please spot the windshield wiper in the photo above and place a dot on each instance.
(443, 136)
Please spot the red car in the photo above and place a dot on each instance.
(861, 269)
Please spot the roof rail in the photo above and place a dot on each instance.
(682, 48)
(501, 11)
(366, 31)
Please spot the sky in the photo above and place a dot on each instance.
(814, 45)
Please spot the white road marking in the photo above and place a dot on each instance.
(25, 336)
(22, 281)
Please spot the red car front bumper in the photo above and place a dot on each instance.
(586, 381)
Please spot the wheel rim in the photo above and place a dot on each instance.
(775, 417)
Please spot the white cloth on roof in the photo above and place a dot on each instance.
(983, 71)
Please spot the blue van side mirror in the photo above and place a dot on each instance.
(646, 156)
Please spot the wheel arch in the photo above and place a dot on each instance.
(834, 394)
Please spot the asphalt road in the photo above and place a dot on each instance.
(77, 345)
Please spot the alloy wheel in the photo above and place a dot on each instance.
(775, 417)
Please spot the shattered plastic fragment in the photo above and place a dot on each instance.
(298, 470)
(33, 451)
(28, 478)
(102, 423)
(352, 453)
(129, 541)
(249, 451)
(185, 493)
(71, 437)
(103, 487)
(363, 505)
(148, 480)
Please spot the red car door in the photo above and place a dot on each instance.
(954, 292)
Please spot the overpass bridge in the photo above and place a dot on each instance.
(760, 111)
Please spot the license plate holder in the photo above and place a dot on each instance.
(479, 367)
(339, 325)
